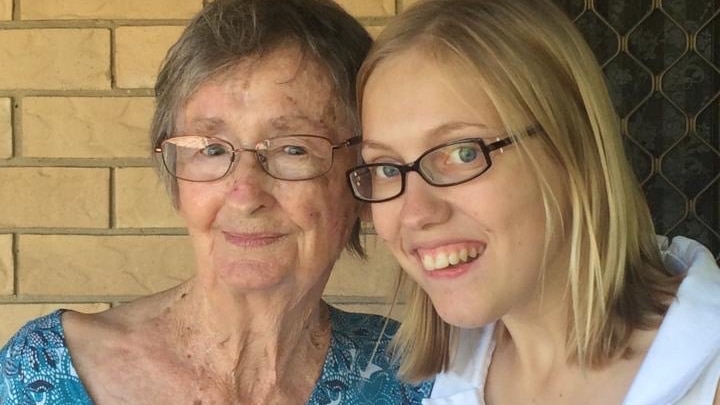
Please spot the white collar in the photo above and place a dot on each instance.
(687, 340)
(464, 382)
(689, 336)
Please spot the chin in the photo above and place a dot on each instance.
(251, 275)
(465, 317)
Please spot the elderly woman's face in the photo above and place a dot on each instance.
(250, 230)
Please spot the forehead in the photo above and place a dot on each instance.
(413, 92)
(283, 87)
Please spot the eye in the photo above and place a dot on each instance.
(294, 150)
(386, 172)
(215, 149)
(463, 154)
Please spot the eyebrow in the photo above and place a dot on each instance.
(290, 122)
(437, 132)
(205, 126)
(210, 126)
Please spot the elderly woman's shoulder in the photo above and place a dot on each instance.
(359, 369)
(35, 365)
(362, 326)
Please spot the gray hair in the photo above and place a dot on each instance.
(226, 32)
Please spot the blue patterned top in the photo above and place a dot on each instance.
(36, 368)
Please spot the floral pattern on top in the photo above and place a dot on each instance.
(36, 367)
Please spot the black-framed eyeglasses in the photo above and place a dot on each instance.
(445, 165)
(292, 157)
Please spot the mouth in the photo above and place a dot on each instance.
(251, 240)
(449, 256)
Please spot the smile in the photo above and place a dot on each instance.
(252, 240)
(448, 256)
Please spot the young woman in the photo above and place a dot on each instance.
(495, 169)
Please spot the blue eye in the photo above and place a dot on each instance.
(215, 149)
(386, 172)
(463, 154)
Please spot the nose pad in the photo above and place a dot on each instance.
(423, 204)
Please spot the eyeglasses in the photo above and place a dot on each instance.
(294, 157)
(445, 165)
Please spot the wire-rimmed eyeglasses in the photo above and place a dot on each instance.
(445, 165)
(292, 157)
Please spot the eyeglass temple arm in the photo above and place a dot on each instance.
(501, 143)
(349, 142)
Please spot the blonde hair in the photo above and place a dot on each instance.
(534, 65)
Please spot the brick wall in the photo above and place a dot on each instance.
(84, 222)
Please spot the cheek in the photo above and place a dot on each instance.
(321, 205)
(384, 217)
(198, 205)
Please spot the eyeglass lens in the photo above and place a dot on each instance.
(198, 158)
(444, 165)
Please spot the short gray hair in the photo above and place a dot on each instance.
(226, 32)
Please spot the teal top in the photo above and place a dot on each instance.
(36, 367)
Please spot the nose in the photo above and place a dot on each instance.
(423, 204)
(250, 188)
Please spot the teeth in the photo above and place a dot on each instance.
(473, 252)
(441, 260)
(428, 263)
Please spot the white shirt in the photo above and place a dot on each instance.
(682, 366)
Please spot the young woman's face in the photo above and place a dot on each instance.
(492, 227)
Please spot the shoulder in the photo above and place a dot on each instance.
(360, 340)
(359, 368)
(35, 364)
(362, 328)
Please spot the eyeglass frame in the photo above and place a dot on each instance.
(414, 166)
(353, 140)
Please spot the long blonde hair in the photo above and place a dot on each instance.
(534, 64)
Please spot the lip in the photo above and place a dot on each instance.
(449, 273)
(252, 240)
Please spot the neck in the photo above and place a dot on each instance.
(533, 337)
(258, 343)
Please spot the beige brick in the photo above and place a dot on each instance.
(5, 129)
(54, 197)
(141, 200)
(7, 265)
(92, 266)
(108, 9)
(6, 8)
(86, 127)
(14, 316)
(369, 8)
(375, 277)
(139, 52)
(55, 59)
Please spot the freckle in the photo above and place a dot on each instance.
(189, 356)
(197, 402)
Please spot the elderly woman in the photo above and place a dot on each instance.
(496, 173)
(255, 127)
